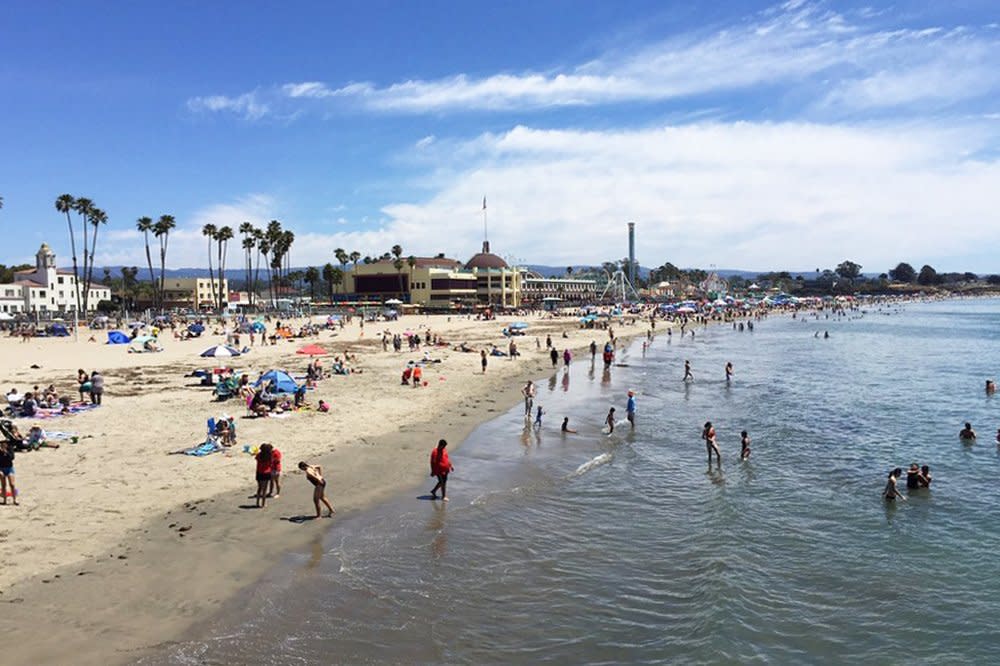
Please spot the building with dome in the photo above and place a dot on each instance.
(46, 289)
(496, 283)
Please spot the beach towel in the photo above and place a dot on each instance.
(76, 408)
(205, 449)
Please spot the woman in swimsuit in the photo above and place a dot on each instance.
(314, 475)
(708, 434)
(891, 493)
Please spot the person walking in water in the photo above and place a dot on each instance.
(610, 420)
(529, 397)
(729, 371)
(708, 434)
(593, 351)
(630, 408)
(688, 377)
(314, 475)
(441, 467)
(891, 492)
(554, 355)
(744, 446)
(565, 426)
(567, 357)
(538, 417)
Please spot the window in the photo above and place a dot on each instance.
(60, 280)
(41, 293)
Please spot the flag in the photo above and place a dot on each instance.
(484, 203)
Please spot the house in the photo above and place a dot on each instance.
(45, 288)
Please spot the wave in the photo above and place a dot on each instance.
(593, 463)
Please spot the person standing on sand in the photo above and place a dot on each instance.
(274, 488)
(630, 408)
(441, 467)
(263, 476)
(96, 387)
(688, 377)
(548, 342)
(708, 434)
(610, 420)
(83, 379)
(482, 359)
(7, 472)
(314, 475)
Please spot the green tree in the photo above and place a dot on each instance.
(342, 257)
(65, 203)
(848, 270)
(249, 243)
(397, 262)
(312, 277)
(928, 276)
(145, 225)
(354, 256)
(224, 235)
(328, 269)
(83, 206)
(210, 231)
(161, 230)
(903, 272)
(96, 217)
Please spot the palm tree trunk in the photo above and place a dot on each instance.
(93, 249)
(152, 276)
(163, 267)
(76, 274)
(211, 277)
(223, 297)
(85, 246)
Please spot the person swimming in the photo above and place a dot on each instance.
(991, 387)
(967, 434)
(891, 493)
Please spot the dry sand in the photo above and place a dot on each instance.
(117, 547)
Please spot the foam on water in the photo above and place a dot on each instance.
(791, 557)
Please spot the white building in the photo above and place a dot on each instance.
(46, 289)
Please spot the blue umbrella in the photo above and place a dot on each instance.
(518, 325)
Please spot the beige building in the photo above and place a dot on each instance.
(535, 288)
(45, 288)
(436, 282)
(496, 283)
(195, 293)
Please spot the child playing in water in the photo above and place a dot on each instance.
(314, 475)
(610, 420)
(538, 417)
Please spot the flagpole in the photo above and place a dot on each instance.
(486, 235)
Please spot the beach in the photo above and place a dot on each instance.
(118, 547)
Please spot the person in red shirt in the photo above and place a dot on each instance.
(274, 488)
(264, 470)
(440, 467)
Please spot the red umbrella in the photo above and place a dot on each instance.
(312, 350)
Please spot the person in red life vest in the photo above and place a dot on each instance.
(440, 467)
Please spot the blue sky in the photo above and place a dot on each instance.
(745, 135)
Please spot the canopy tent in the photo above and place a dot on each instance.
(220, 351)
(196, 329)
(258, 326)
(117, 338)
(58, 330)
(281, 381)
(312, 350)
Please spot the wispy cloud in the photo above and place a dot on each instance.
(844, 61)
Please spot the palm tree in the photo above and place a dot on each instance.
(162, 232)
(260, 240)
(328, 278)
(210, 231)
(65, 204)
(223, 237)
(341, 256)
(411, 261)
(312, 277)
(246, 229)
(354, 256)
(337, 278)
(397, 253)
(145, 225)
(83, 206)
(97, 218)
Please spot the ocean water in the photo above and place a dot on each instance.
(598, 549)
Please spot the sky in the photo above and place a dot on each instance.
(742, 135)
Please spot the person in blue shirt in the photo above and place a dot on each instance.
(630, 408)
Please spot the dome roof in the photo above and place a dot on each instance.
(486, 259)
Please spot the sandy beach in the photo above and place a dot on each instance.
(117, 546)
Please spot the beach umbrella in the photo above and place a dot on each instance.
(196, 329)
(257, 326)
(312, 350)
(394, 301)
(220, 351)
(281, 381)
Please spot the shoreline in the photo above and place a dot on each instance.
(165, 581)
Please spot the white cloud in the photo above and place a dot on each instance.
(788, 45)
(247, 105)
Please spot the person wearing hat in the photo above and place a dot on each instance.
(630, 408)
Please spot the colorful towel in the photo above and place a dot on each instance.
(76, 408)
(204, 449)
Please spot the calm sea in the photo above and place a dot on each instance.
(596, 549)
